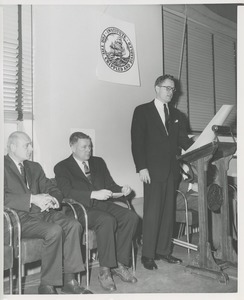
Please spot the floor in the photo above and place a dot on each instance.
(167, 279)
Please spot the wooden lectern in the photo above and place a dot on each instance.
(205, 264)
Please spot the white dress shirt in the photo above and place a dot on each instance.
(80, 164)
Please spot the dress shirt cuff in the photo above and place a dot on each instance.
(189, 187)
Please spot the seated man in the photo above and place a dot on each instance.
(36, 200)
(86, 179)
(189, 186)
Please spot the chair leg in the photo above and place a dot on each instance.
(133, 259)
(180, 232)
(11, 281)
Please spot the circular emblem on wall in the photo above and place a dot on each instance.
(117, 50)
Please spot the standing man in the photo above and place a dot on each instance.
(157, 132)
(36, 200)
(86, 179)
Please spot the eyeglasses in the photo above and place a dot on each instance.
(168, 88)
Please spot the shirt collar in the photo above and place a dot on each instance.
(160, 103)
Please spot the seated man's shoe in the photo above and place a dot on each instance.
(148, 263)
(168, 258)
(73, 287)
(123, 273)
(106, 280)
(47, 289)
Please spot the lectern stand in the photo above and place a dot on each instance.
(205, 264)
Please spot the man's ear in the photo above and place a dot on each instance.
(73, 147)
(157, 88)
(13, 147)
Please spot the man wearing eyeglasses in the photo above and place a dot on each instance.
(157, 133)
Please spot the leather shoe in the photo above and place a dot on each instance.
(148, 263)
(47, 289)
(106, 280)
(123, 273)
(168, 258)
(73, 287)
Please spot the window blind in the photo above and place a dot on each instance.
(10, 61)
(174, 49)
(225, 75)
(17, 63)
(208, 75)
(200, 71)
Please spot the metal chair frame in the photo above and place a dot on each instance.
(187, 244)
(10, 230)
(234, 188)
(12, 212)
(179, 242)
(71, 203)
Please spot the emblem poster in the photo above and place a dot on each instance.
(117, 59)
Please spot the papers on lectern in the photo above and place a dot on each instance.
(207, 136)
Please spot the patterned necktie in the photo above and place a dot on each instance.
(167, 118)
(87, 171)
(23, 173)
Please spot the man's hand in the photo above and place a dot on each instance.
(144, 176)
(126, 190)
(101, 195)
(44, 201)
(194, 187)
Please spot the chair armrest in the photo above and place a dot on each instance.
(71, 203)
(10, 227)
(184, 197)
(13, 214)
(234, 188)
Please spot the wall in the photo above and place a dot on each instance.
(68, 95)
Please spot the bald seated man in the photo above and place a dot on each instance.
(37, 202)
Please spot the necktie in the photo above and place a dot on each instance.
(87, 171)
(167, 118)
(22, 172)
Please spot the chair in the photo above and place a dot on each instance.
(89, 238)
(186, 217)
(9, 252)
(27, 250)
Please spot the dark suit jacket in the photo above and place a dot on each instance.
(74, 184)
(16, 193)
(152, 148)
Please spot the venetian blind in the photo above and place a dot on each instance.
(17, 62)
(208, 77)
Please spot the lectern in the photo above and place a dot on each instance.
(219, 153)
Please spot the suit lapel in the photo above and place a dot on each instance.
(14, 168)
(156, 117)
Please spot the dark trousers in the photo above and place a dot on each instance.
(158, 217)
(115, 227)
(61, 246)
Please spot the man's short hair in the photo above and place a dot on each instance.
(75, 136)
(14, 136)
(162, 78)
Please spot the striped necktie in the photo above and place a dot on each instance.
(87, 171)
(22, 172)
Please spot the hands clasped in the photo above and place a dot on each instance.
(44, 201)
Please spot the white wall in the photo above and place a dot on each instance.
(68, 95)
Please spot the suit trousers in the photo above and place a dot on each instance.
(158, 216)
(115, 227)
(61, 247)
